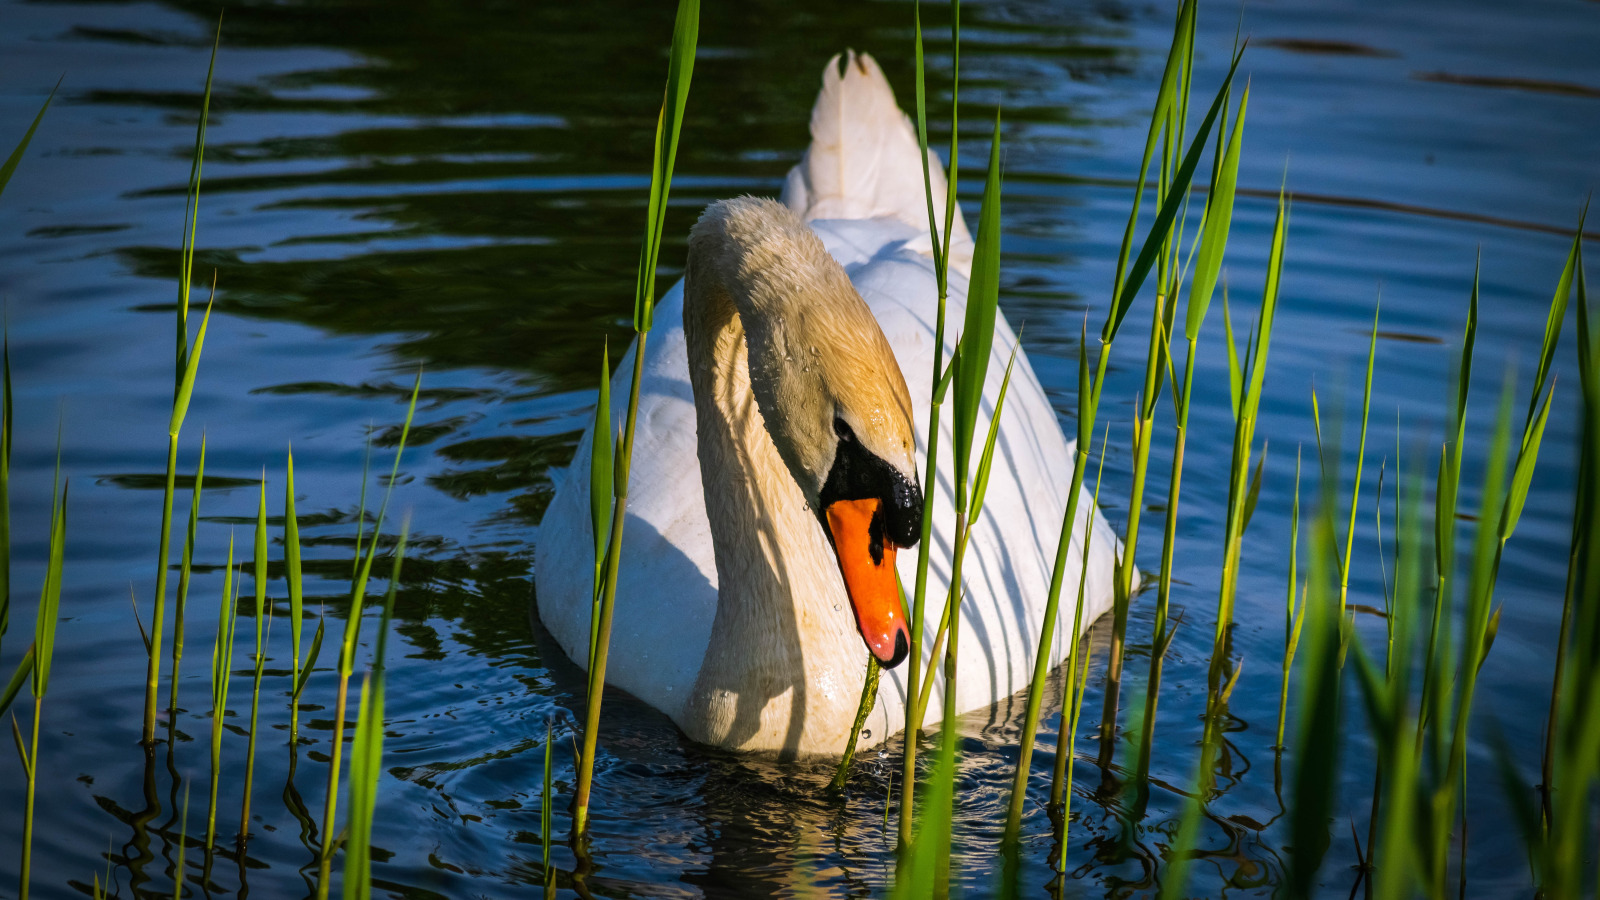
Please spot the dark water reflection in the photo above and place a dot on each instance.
(459, 187)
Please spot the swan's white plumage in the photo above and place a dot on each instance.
(860, 185)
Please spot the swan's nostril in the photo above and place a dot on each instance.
(901, 648)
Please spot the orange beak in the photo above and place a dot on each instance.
(866, 559)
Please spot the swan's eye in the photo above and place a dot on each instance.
(843, 430)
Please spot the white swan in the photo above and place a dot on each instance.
(767, 382)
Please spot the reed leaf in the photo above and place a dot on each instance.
(1293, 619)
(917, 680)
(1214, 227)
(259, 657)
(10, 165)
(347, 649)
(21, 676)
(545, 809)
(680, 68)
(366, 751)
(221, 664)
(1129, 288)
(43, 653)
(977, 332)
(185, 570)
(600, 493)
(6, 407)
(183, 389)
(293, 580)
(1556, 315)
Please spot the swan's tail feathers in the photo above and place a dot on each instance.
(863, 160)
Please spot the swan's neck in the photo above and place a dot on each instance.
(784, 664)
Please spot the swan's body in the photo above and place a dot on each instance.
(726, 426)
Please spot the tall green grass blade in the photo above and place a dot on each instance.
(1319, 715)
(916, 679)
(977, 333)
(1176, 69)
(1160, 229)
(869, 699)
(347, 649)
(600, 494)
(44, 632)
(1214, 228)
(21, 676)
(191, 369)
(292, 577)
(980, 485)
(920, 68)
(680, 70)
(1557, 314)
(1292, 619)
(545, 809)
(680, 67)
(1361, 455)
(1583, 521)
(6, 407)
(366, 751)
(1522, 473)
(10, 165)
(185, 570)
(259, 658)
(221, 665)
(43, 651)
(182, 391)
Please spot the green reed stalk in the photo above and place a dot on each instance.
(1156, 359)
(5, 490)
(1126, 288)
(1317, 741)
(869, 699)
(300, 670)
(1578, 543)
(1361, 454)
(347, 648)
(1389, 713)
(600, 488)
(940, 244)
(1446, 491)
(260, 657)
(1216, 221)
(6, 170)
(1474, 641)
(366, 751)
(221, 658)
(188, 365)
(1293, 618)
(1563, 843)
(43, 653)
(680, 70)
(1246, 381)
(971, 369)
(185, 567)
(1073, 687)
(1494, 531)
(545, 810)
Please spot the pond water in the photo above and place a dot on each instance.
(460, 187)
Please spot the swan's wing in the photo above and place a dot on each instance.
(667, 584)
(864, 162)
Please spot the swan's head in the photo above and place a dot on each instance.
(831, 395)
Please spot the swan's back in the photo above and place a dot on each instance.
(861, 185)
